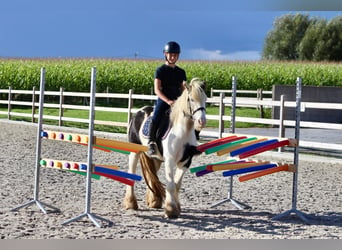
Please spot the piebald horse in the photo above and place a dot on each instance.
(177, 148)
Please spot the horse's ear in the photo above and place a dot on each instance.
(187, 86)
(199, 82)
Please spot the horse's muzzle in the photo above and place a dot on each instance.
(200, 123)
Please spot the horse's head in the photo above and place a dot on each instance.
(197, 102)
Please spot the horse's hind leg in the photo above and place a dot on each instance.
(130, 201)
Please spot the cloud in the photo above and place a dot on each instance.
(217, 55)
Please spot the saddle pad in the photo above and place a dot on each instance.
(146, 128)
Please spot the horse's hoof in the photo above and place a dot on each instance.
(155, 204)
(171, 215)
(172, 212)
(130, 203)
(152, 201)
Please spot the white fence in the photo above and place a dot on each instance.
(6, 102)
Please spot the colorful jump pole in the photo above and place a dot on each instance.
(248, 169)
(121, 145)
(215, 143)
(108, 149)
(238, 139)
(238, 146)
(243, 140)
(125, 178)
(235, 165)
(36, 200)
(252, 147)
(203, 167)
(202, 170)
(116, 178)
(99, 143)
(264, 148)
(108, 171)
(98, 169)
(258, 174)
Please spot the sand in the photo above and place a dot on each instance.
(319, 196)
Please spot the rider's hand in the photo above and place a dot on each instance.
(170, 102)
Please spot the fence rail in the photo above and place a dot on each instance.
(6, 99)
(258, 92)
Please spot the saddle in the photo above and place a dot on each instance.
(162, 131)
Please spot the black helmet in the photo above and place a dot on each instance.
(172, 47)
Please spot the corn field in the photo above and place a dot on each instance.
(118, 76)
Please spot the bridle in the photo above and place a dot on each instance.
(192, 112)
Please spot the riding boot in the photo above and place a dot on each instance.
(152, 145)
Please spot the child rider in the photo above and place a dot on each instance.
(169, 82)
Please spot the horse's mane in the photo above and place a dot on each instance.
(197, 89)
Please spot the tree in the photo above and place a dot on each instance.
(283, 41)
(329, 43)
(309, 45)
(298, 37)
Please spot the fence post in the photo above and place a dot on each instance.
(130, 105)
(232, 114)
(152, 93)
(33, 103)
(9, 107)
(221, 114)
(281, 120)
(61, 102)
(107, 91)
(211, 92)
(261, 107)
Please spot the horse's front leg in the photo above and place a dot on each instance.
(180, 171)
(130, 201)
(171, 204)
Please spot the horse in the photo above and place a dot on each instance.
(177, 148)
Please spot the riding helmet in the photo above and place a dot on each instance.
(172, 47)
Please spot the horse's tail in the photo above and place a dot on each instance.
(149, 172)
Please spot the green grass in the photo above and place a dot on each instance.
(243, 112)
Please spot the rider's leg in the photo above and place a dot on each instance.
(158, 113)
(152, 146)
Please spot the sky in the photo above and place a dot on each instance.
(206, 30)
